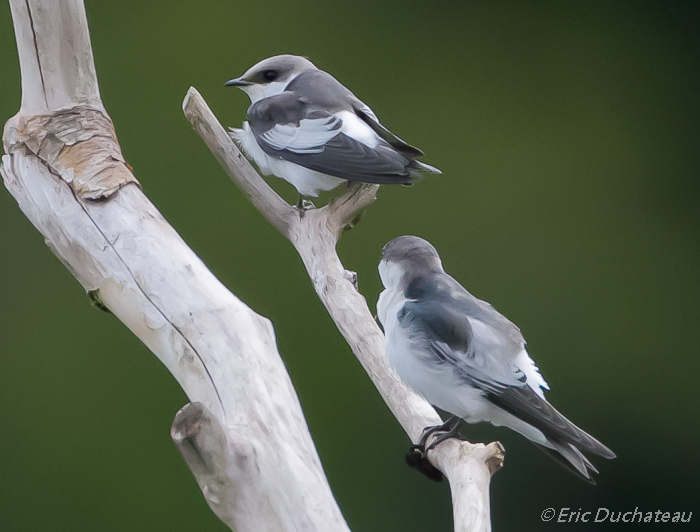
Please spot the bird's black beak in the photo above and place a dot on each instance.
(237, 82)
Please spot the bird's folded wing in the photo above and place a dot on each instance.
(319, 145)
(445, 331)
(291, 127)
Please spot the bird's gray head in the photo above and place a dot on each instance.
(406, 258)
(271, 76)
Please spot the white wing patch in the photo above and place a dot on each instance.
(310, 136)
(532, 373)
(307, 182)
(355, 128)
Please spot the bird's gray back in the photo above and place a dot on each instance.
(323, 90)
(463, 331)
(442, 290)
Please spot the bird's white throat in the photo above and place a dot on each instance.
(258, 91)
(390, 273)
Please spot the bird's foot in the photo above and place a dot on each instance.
(304, 205)
(442, 437)
(445, 431)
(416, 456)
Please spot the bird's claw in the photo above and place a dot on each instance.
(444, 432)
(417, 455)
(441, 438)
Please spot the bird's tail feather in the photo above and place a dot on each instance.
(423, 167)
(566, 442)
(570, 458)
(526, 405)
(567, 452)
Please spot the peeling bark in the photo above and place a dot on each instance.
(78, 144)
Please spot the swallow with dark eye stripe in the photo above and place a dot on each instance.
(308, 129)
(466, 358)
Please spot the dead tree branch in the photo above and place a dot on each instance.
(244, 437)
(467, 466)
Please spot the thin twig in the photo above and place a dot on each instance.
(277, 211)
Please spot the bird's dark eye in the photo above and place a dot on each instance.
(269, 75)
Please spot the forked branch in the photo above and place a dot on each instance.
(467, 466)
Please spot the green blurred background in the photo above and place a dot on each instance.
(569, 137)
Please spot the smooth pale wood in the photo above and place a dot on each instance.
(245, 440)
(58, 69)
(467, 466)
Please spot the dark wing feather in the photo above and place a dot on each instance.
(288, 126)
(525, 404)
(437, 321)
(395, 142)
(561, 454)
(344, 157)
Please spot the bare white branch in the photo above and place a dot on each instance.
(51, 44)
(246, 440)
(467, 466)
(277, 211)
